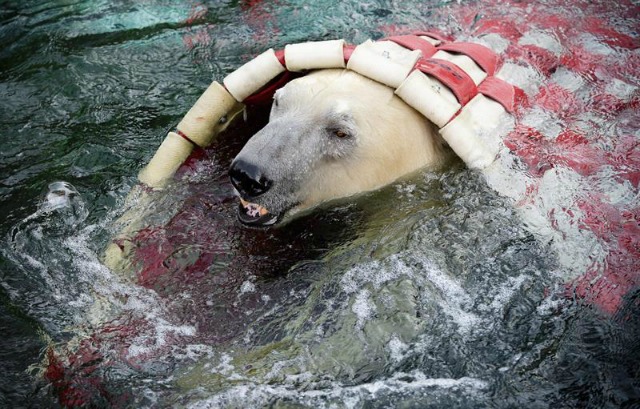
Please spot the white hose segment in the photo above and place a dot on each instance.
(365, 60)
(172, 153)
(314, 55)
(469, 66)
(209, 115)
(253, 75)
(469, 134)
(430, 97)
(136, 204)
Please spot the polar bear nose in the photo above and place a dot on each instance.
(248, 179)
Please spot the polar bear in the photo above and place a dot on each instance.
(332, 133)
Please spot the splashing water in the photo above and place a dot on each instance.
(517, 286)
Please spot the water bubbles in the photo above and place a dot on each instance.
(63, 207)
(417, 304)
(363, 308)
(544, 39)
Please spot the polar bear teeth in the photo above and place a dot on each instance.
(253, 209)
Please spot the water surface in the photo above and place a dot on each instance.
(513, 287)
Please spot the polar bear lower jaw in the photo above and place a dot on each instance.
(253, 214)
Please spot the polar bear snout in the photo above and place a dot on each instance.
(331, 134)
(248, 179)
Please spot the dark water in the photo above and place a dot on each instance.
(436, 291)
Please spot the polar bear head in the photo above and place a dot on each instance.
(332, 133)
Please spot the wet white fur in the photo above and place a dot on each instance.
(392, 138)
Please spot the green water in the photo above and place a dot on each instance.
(89, 89)
(429, 293)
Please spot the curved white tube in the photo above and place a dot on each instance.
(367, 61)
(430, 97)
(253, 75)
(209, 115)
(314, 55)
(172, 153)
(469, 134)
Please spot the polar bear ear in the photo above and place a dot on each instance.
(341, 122)
(342, 113)
(277, 96)
(341, 107)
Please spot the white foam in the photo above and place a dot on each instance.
(550, 305)
(592, 44)
(348, 396)
(225, 366)
(494, 41)
(506, 292)
(247, 287)
(451, 297)
(150, 343)
(546, 122)
(621, 89)
(193, 352)
(524, 77)
(373, 273)
(454, 300)
(397, 349)
(615, 192)
(504, 177)
(576, 248)
(363, 308)
(543, 39)
(568, 79)
(406, 190)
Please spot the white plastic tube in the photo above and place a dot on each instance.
(172, 153)
(430, 97)
(314, 55)
(209, 115)
(470, 133)
(253, 75)
(365, 60)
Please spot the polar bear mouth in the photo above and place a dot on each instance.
(253, 214)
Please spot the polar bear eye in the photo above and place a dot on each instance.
(340, 134)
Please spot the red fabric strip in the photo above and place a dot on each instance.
(483, 56)
(280, 57)
(452, 76)
(347, 49)
(500, 91)
(265, 94)
(414, 43)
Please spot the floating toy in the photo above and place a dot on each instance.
(451, 84)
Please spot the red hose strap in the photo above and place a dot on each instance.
(452, 76)
(347, 49)
(265, 94)
(280, 57)
(500, 91)
(414, 43)
(483, 56)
